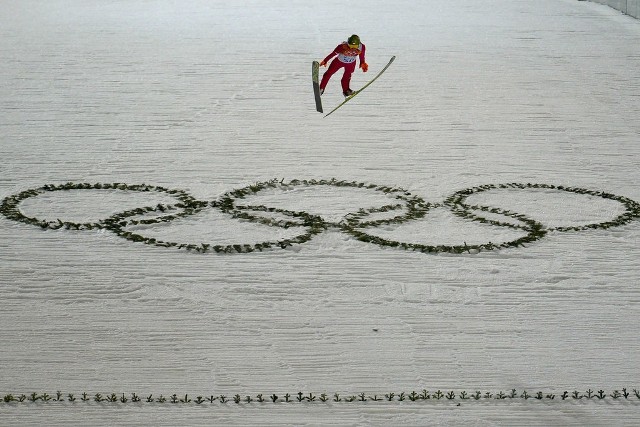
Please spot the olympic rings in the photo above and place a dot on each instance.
(403, 207)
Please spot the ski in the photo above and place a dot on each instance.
(315, 71)
(350, 97)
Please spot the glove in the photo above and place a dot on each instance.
(365, 67)
(323, 63)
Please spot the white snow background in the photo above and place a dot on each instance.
(212, 96)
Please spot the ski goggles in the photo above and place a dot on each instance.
(354, 46)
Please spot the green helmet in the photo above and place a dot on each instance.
(354, 40)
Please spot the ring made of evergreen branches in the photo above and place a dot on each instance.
(458, 201)
(186, 205)
(415, 206)
(229, 203)
(406, 207)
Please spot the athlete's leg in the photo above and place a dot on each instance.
(333, 67)
(346, 78)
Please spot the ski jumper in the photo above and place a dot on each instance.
(346, 59)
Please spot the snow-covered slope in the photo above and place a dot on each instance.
(210, 97)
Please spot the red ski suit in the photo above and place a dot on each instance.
(346, 59)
